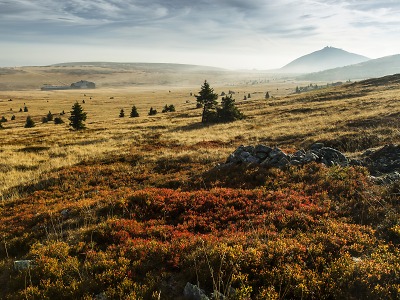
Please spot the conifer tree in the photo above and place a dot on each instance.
(152, 111)
(29, 122)
(134, 112)
(122, 113)
(77, 117)
(208, 100)
(58, 120)
(228, 111)
(49, 117)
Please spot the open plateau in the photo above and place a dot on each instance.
(294, 195)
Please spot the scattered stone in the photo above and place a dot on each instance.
(64, 213)
(275, 157)
(193, 292)
(384, 160)
(20, 265)
(383, 163)
(101, 296)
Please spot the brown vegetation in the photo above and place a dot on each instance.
(132, 207)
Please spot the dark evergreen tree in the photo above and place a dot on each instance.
(122, 113)
(152, 111)
(13, 117)
(168, 108)
(208, 100)
(228, 111)
(29, 122)
(134, 112)
(3, 119)
(77, 117)
(49, 117)
(267, 95)
(20, 110)
(25, 109)
(58, 120)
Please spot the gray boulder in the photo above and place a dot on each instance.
(193, 292)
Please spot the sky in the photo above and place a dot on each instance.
(232, 34)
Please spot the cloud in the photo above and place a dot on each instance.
(203, 26)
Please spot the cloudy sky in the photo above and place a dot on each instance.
(233, 34)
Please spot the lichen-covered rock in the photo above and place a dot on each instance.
(193, 292)
(23, 264)
(384, 160)
(383, 163)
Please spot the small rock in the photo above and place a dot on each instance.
(310, 156)
(22, 264)
(193, 292)
(316, 146)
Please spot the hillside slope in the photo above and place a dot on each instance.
(387, 65)
(326, 58)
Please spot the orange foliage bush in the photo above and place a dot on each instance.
(307, 232)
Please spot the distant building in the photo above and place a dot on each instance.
(49, 87)
(83, 84)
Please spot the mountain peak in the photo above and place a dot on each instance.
(326, 58)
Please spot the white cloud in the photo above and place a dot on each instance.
(227, 32)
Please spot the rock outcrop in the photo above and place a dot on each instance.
(275, 157)
(383, 163)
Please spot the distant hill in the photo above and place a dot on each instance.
(140, 66)
(387, 65)
(326, 58)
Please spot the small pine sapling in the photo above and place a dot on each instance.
(49, 117)
(77, 117)
(29, 122)
(58, 120)
(134, 112)
(152, 111)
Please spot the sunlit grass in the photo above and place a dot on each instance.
(288, 121)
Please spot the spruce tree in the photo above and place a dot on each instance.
(152, 111)
(29, 122)
(228, 111)
(208, 100)
(122, 113)
(134, 112)
(77, 117)
(49, 117)
(58, 120)
(168, 108)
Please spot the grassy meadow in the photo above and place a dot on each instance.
(133, 208)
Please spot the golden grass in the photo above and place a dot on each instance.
(291, 121)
